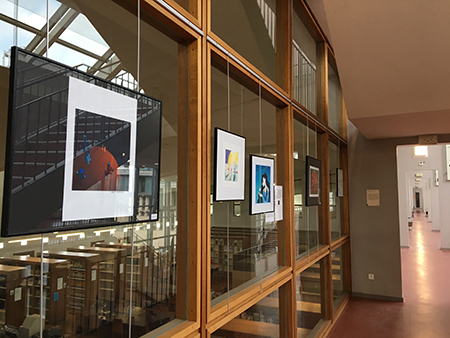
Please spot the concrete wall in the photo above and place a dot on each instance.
(375, 237)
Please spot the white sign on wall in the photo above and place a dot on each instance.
(373, 197)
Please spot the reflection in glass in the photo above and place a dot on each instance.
(336, 203)
(304, 64)
(334, 99)
(306, 218)
(260, 320)
(311, 299)
(338, 265)
(253, 29)
(88, 274)
(244, 247)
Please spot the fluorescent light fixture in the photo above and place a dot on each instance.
(421, 151)
(158, 225)
(148, 226)
(419, 175)
(25, 241)
(128, 228)
(1, 245)
(65, 236)
(98, 232)
(167, 224)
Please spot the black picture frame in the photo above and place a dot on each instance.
(41, 191)
(313, 181)
(260, 207)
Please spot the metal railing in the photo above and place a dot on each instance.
(304, 76)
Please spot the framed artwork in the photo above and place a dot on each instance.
(82, 140)
(261, 184)
(229, 168)
(313, 168)
(339, 182)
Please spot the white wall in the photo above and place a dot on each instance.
(434, 198)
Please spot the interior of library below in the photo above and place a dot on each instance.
(85, 284)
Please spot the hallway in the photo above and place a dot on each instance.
(425, 312)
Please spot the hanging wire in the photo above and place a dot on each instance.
(307, 192)
(41, 322)
(242, 109)
(262, 220)
(228, 203)
(228, 93)
(260, 120)
(138, 61)
(47, 30)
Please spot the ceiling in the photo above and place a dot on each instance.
(394, 63)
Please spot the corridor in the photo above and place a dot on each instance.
(425, 312)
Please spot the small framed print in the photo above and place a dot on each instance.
(261, 184)
(313, 173)
(229, 168)
(339, 182)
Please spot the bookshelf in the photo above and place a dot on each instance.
(12, 295)
(55, 278)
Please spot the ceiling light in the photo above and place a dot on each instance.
(421, 151)
(98, 232)
(25, 241)
(65, 236)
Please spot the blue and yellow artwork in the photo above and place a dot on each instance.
(231, 165)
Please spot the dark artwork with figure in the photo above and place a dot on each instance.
(97, 155)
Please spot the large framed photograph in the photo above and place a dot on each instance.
(339, 182)
(229, 170)
(261, 184)
(81, 152)
(313, 168)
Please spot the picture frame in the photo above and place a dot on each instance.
(229, 166)
(313, 181)
(261, 184)
(339, 182)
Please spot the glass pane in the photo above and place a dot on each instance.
(334, 100)
(260, 320)
(336, 203)
(338, 261)
(20, 283)
(88, 275)
(306, 218)
(311, 297)
(244, 247)
(304, 64)
(253, 29)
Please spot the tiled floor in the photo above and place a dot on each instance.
(425, 312)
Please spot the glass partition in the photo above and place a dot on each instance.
(304, 61)
(307, 234)
(335, 118)
(254, 30)
(244, 246)
(338, 261)
(260, 320)
(336, 197)
(110, 281)
(311, 295)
